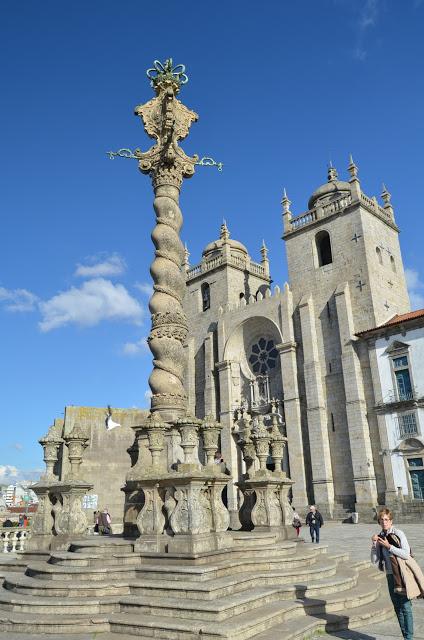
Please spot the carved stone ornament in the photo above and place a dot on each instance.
(210, 433)
(167, 121)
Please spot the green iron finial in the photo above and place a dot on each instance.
(164, 74)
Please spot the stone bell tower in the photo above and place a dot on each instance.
(346, 274)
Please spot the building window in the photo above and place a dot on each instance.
(323, 244)
(402, 375)
(393, 264)
(407, 426)
(206, 296)
(379, 255)
(416, 472)
(263, 356)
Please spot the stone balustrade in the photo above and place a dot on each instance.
(13, 540)
(336, 206)
(236, 261)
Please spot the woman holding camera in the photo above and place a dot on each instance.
(404, 577)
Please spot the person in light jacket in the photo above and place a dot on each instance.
(390, 549)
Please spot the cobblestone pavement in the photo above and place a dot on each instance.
(356, 540)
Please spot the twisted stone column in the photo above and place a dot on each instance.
(167, 120)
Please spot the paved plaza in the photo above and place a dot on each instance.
(354, 539)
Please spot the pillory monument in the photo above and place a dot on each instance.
(180, 569)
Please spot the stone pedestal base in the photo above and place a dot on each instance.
(200, 543)
(266, 504)
(60, 515)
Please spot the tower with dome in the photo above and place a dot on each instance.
(254, 350)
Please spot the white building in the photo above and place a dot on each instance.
(396, 352)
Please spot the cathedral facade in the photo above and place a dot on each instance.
(254, 350)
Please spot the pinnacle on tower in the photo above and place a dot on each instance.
(352, 168)
(385, 195)
(224, 234)
(332, 172)
(285, 201)
(264, 250)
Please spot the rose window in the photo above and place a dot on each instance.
(263, 356)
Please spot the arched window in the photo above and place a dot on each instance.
(379, 256)
(241, 295)
(393, 264)
(323, 245)
(206, 296)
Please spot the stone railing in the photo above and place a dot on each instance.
(335, 206)
(13, 540)
(372, 205)
(236, 261)
(303, 219)
(257, 269)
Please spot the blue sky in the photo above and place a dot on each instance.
(281, 88)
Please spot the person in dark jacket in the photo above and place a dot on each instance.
(315, 521)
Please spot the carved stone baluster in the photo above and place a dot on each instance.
(261, 441)
(188, 428)
(210, 431)
(76, 441)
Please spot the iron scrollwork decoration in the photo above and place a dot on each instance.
(206, 161)
(159, 71)
(162, 74)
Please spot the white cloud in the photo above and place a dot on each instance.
(415, 288)
(144, 287)
(18, 446)
(367, 18)
(86, 306)
(113, 265)
(135, 348)
(10, 474)
(18, 299)
(148, 394)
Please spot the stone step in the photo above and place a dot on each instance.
(251, 622)
(38, 623)
(45, 571)
(229, 566)
(254, 538)
(103, 545)
(57, 600)
(69, 558)
(71, 589)
(10, 601)
(78, 584)
(86, 559)
(228, 604)
(223, 587)
(349, 618)
(263, 551)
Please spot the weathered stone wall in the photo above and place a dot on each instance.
(105, 461)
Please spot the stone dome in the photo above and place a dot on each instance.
(330, 190)
(216, 246)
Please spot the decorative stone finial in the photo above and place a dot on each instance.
(264, 250)
(332, 172)
(166, 75)
(224, 234)
(285, 202)
(352, 168)
(385, 195)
